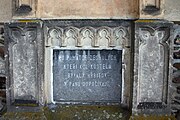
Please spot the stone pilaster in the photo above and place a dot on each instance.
(24, 62)
(152, 72)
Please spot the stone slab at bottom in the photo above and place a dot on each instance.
(71, 112)
(152, 117)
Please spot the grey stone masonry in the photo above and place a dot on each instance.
(97, 38)
(152, 67)
(175, 98)
(24, 63)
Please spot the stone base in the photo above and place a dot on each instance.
(67, 112)
(143, 117)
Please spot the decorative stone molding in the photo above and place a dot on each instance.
(2, 62)
(24, 62)
(89, 35)
(151, 9)
(151, 69)
(151, 6)
(24, 7)
(175, 96)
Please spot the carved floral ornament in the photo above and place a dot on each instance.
(87, 36)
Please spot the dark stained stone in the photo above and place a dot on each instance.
(87, 75)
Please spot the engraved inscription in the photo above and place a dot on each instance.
(87, 75)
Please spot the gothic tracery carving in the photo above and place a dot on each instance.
(88, 36)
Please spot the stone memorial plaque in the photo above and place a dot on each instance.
(87, 75)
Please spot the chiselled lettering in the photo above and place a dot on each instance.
(87, 72)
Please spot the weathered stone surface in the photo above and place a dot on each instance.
(73, 9)
(65, 112)
(175, 99)
(172, 10)
(24, 8)
(2, 50)
(77, 9)
(87, 75)
(151, 69)
(24, 63)
(151, 9)
(5, 10)
(92, 35)
(153, 117)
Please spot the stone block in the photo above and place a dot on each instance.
(88, 37)
(172, 10)
(87, 9)
(24, 62)
(175, 96)
(152, 67)
(5, 10)
(151, 9)
(24, 9)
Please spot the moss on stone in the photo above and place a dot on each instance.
(87, 113)
(72, 112)
(152, 117)
(23, 116)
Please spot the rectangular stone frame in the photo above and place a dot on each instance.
(59, 29)
(24, 65)
(152, 68)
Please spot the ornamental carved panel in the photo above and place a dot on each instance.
(175, 95)
(87, 36)
(24, 63)
(151, 68)
(81, 37)
(151, 9)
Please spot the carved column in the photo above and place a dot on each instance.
(151, 69)
(24, 58)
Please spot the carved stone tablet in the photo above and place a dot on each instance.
(24, 56)
(87, 75)
(151, 68)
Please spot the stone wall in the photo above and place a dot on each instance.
(77, 9)
(89, 9)
(5, 10)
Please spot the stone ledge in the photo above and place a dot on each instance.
(143, 117)
(67, 112)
